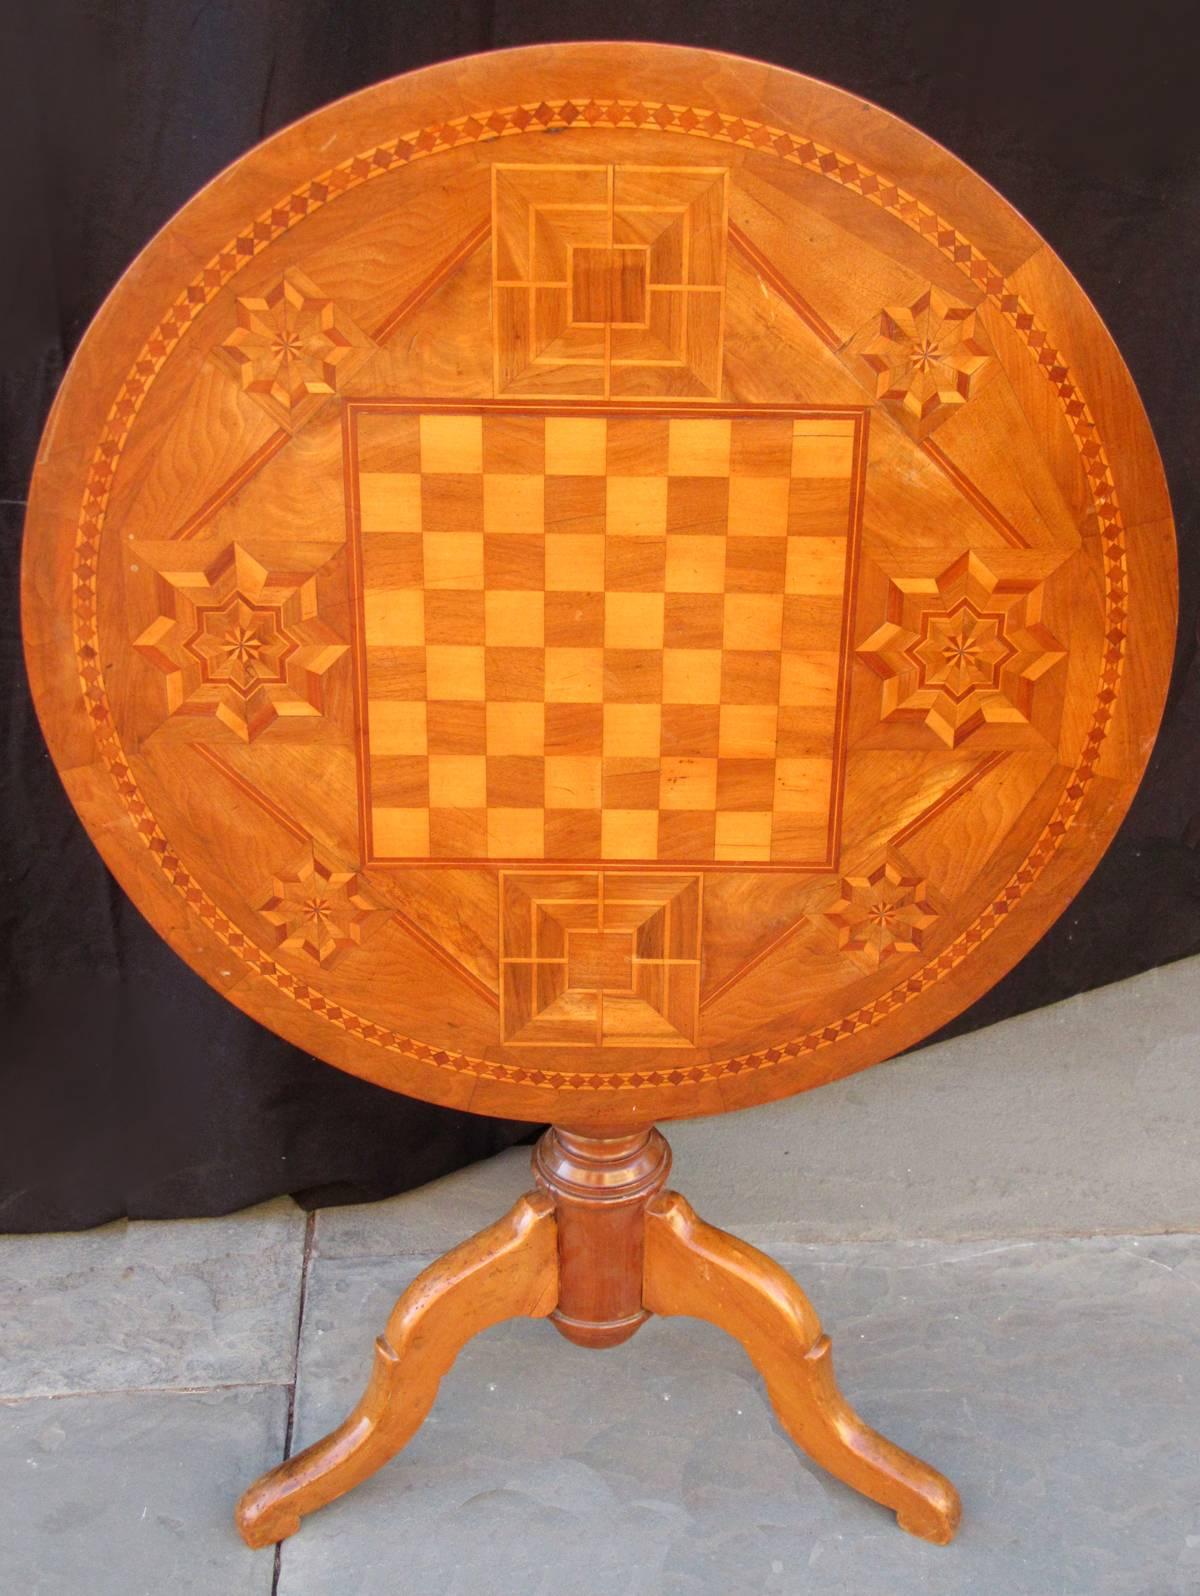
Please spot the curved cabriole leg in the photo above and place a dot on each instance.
(693, 1268)
(506, 1271)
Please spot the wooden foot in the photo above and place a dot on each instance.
(509, 1269)
(692, 1268)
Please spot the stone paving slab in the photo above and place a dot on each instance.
(182, 1304)
(132, 1494)
(1072, 1120)
(430, 1219)
(1076, 1119)
(1055, 1381)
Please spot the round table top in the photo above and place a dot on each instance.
(599, 583)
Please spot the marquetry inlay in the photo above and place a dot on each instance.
(922, 360)
(238, 641)
(292, 347)
(581, 562)
(962, 649)
(599, 958)
(608, 636)
(609, 281)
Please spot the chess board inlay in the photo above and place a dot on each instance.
(603, 636)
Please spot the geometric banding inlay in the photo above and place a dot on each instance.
(599, 958)
(240, 642)
(961, 650)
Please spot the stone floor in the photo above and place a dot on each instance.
(1002, 1235)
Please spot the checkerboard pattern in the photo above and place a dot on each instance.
(602, 637)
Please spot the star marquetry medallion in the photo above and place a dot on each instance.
(922, 360)
(291, 347)
(240, 642)
(962, 649)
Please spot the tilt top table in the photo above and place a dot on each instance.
(599, 584)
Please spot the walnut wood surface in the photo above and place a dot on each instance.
(599, 583)
(601, 1187)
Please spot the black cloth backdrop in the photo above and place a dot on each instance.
(129, 1086)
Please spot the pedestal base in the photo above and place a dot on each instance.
(597, 1249)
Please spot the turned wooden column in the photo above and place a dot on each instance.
(601, 1186)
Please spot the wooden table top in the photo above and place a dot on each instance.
(599, 583)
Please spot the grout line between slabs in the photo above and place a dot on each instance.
(310, 1236)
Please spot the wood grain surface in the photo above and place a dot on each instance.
(693, 1268)
(507, 1271)
(599, 583)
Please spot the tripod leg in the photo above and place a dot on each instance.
(508, 1270)
(692, 1268)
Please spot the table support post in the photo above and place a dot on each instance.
(601, 1186)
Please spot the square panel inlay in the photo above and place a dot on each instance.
(599, 958)
(608, 281)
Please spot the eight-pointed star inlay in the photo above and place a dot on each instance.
(292, 346)
(241, 642)
(882, 915)
(922, 361)
(320, 910)
(961, 650)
